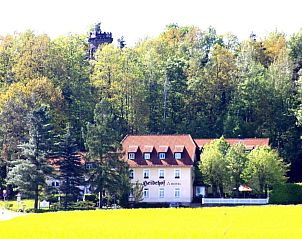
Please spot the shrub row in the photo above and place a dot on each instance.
(289, 193)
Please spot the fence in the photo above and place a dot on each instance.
(248, 201)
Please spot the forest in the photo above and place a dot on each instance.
(184, 81)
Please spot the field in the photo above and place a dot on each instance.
(220, 222)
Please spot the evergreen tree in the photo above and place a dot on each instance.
(29, 172)
(71, 169)
(102, 144)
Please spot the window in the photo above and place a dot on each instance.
(177, 193)
(131, 156)
(161, 193)
(162, 155)
(131, 174)
(147, 155)
(161, 173)
(177, 155)
(146, 173)
(200, 191)
(146, 192)
(55, 184)
(89, 166)
(177, 173)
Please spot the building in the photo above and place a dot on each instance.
(97, 38)
(164, 165)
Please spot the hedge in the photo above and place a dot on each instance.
(289, 193)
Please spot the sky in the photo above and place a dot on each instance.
(138, 19)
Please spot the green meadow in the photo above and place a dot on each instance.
(253, 222)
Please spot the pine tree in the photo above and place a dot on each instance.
(29, 172)
(70, 166)
(110, 174)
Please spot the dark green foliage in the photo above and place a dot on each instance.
(71, 169)
(289, 193)
(28, 173)
(90, 197)
(215, 85)
(111, 173)
(80, 205)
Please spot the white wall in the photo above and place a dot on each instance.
(169, 183)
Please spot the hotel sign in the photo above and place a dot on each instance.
(160, 183)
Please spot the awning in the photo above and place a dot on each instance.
(132, 149)
(244, 188)
(148, 149)
(163, 149)
(179, 148)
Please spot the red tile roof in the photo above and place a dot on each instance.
(250, 143)
(161, 143)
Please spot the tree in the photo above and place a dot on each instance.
(264, 169)
(137, 192)
(19, 101)
(70, 166)
(237, 159)
(214, 166)
(29, 172)
(101, 141)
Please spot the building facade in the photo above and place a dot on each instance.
(164, 165)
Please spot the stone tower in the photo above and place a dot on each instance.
(96, 38)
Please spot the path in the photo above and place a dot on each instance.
(7, 215)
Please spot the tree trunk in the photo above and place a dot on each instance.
(101, 199)
(214, 188)
(36, 197)
(221, 191)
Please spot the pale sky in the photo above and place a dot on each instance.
(138, 19)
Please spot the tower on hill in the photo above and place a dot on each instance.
(96, 38)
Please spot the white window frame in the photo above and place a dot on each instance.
(177, 155)
(162, 155)
(177, 175)
(161, 173)
(147, 156)
(146, 192)
(131, 155)
(131, 173)
(146, 173)
(55, 184)
(161, 193)
(177, 193)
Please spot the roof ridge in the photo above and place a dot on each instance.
(159, 135)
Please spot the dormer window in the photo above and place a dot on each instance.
(162, 155)
(179, 149)
(147, 156)
(131, 155)
(177, 155)
(132, 149)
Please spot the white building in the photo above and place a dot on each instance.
(163, 164)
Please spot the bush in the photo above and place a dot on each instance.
(151, 205)
(81, 205)
(91, 198)
(289, 193)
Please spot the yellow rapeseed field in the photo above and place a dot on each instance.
(253, 222)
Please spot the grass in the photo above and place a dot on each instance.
(15, 206)
(221, 222)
